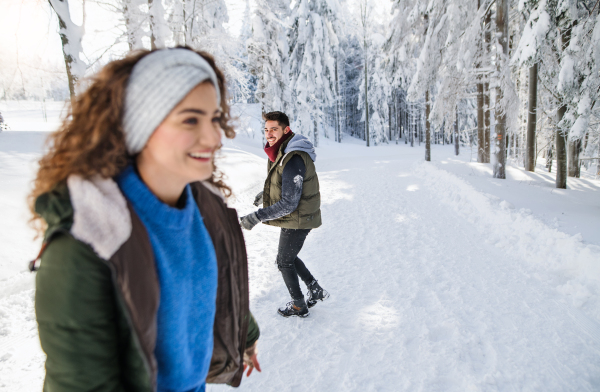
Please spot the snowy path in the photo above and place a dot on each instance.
(434, 285)
(421, 300)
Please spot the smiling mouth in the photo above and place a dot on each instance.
(201, 156)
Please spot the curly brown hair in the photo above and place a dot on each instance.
(90, 140)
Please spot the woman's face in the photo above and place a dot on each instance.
(184, 144)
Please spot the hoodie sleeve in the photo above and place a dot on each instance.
(291, 191)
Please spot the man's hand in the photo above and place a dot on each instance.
(258, 200)
(250, 359)
(249, 221)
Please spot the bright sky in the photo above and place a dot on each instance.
(31, 44)
(32, 29)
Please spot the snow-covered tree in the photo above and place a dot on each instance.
(314, 44)
(267, 54)
(375, 88)
(71, 36)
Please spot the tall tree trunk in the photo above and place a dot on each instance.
(480, 126)
(487, 123)
(316, 132)
(487, 38)
(338, 131)
(411, 127)
(500, 114)
(68, 30)
(574, 145)
(561, 153)
(561, 136)
(390, 122)
(152, 26)
(366, 96)
(573, 149)
(456, 137)
(531, 119)
(480, 137)
(427, 128)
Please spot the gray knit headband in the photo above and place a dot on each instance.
(158, 82)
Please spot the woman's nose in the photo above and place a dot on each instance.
(212, 136)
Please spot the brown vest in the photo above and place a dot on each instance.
(134, 273)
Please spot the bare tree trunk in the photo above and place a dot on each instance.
(456, 137)
(486, 91)
(128, 27)
(316, 132)
(411, 127)
(531, 119)
(486, 123)
(427, 128)
(561, 153)
(561, 137)
(152, 26)
(573, 149)
(337, 104)
(502, 35)
(480, 120)
(480, 137)
(366, 97)
(68, 30)
(390, 122)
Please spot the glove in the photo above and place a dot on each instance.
(258, 200)
(250, 359)
(249, 221)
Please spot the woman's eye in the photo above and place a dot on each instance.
(216, 120)
(191, 121)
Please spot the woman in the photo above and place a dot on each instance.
(142, 283)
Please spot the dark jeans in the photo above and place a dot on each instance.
(290, 244)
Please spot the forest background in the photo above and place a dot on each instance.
(519, 80)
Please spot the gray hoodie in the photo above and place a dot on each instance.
(301, 143)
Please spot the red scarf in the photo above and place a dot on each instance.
(273, 150)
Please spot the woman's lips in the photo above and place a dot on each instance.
(202, 156)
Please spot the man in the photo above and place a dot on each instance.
(291, 200)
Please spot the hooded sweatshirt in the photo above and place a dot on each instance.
(292, 180)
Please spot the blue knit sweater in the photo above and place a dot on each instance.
(187, 271)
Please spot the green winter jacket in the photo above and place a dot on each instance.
(97, 290)
(308, 213)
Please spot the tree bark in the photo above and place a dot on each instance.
(152, 26)
(486, 123)
(487, 38)
(366, 96)
(338, 131)
(480, 120)
(561, 153)
(531, 119)
(456, 137)
(427, 128)
(502, 34)
(61, 8)
(316, 133)
(561, 136)
(480, 126)
(574, 146)
(390, 122)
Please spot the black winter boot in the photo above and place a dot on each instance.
(315, 293)
(296, 307)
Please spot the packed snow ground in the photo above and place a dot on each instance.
(441, 278)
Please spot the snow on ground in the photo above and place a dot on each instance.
(441, 278)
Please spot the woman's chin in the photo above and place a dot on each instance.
(200, 175)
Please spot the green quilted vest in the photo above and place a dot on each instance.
(308, 213)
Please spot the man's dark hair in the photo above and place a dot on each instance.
(281, 118)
